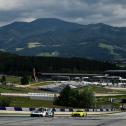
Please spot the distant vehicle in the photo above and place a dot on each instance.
(79, 113)
(42, 112)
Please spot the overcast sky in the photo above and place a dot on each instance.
(112, 12)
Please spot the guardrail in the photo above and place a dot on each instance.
(40, 96)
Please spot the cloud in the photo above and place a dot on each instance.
(81, 11)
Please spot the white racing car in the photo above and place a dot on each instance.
(42, 112)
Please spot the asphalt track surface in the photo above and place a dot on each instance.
(118, 119)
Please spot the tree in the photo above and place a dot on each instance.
(63, 99)
(25, 80)
(73, 98)
(3, 80)
(86, 98)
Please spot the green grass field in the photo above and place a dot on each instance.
(10, 89)
(35, 84)
(13, 79)
(105, 101)
(27, 102)
(103, 90)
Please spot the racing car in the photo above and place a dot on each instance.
(42, 112)
(79, 113)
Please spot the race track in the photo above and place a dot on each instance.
(118, 119)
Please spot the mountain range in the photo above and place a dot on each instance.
(55, 37)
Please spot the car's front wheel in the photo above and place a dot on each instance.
(41, 115)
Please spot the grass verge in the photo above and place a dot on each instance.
(11, 89)
(27, 102)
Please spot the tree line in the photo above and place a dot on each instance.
(15, 64)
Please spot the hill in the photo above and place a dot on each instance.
(54, 37)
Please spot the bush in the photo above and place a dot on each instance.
(5, 101)
(73, 98)
(3, 80)
(25, 80)
(86, 98)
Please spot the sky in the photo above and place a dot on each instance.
(111, 12)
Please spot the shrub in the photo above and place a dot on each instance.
(73, 98)
(25, 80)
(5, 101)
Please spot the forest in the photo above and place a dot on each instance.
(18, 65)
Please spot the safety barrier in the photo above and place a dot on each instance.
(39, 96)
(56, 109)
